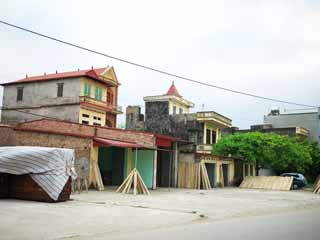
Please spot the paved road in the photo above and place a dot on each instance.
(300, 225)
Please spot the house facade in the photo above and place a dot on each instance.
(111, 153)
(84, 96)
(170, 114)
(304, 118)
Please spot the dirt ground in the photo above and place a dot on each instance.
(96, 214)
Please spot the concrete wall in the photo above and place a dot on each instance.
(38, 94)
(65, 112)
(41, 98)
(134, 118)
(178, 105)
(307, 120)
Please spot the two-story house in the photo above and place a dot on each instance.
(170, 114)
(82, 96)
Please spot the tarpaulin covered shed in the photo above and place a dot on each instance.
(49, 168)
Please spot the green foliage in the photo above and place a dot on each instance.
(281, 153)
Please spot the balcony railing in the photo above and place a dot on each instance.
(214, 116)
(101, 104)
(204, 148)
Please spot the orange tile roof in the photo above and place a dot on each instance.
(91, 73)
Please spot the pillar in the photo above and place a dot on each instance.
(155, 157)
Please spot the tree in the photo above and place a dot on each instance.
(281, 153)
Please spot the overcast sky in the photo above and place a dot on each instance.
(268, 48)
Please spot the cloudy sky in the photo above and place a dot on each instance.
(268, 48)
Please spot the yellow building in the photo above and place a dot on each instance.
(99, 98)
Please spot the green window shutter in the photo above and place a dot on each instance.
(87, 89)
(98, 93)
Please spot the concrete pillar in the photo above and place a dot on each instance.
(155, 157)
(204, 133)
(175, 164)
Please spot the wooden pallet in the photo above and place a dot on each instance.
(268, 183)
(316, 188)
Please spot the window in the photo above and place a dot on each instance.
(85, 115)
(180, 110)
(110, 97)
(98, 94)
(97, 118)
(85, 122)
(208, 136)
(174, 110)
(87, 89)
(59, 89)
(214, 136)
(96, 124)
(19, 93)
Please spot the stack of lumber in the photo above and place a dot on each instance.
(193, 175)
(135, 181)
(268, 183)
(203, 177)
(4, 185)
(188, 175)
(316, 188)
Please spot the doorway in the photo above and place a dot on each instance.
(225, 170)
(211, 170)
(164, 168)
(111, 163)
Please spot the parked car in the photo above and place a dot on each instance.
(299, 180)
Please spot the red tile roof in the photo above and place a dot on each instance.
(91, 73)
(173, 90)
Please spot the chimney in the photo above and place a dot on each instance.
(92, 67)
(26, 75)
(56, 71)
(45, 73)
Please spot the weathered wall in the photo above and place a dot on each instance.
(134, 118)
(65, 112)
(309, 121)
(42, 93)
(7, 136)
(186, 126)
(41, 98)
(157, 118)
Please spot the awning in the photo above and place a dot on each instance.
(108, 142)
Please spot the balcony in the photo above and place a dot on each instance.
(215, 117)
(204, 148)
(101, 105)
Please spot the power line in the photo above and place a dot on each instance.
(153, 69)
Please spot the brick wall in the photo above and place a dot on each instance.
(7, 136)
(147, 140)
(82, 146)
(52, 126)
